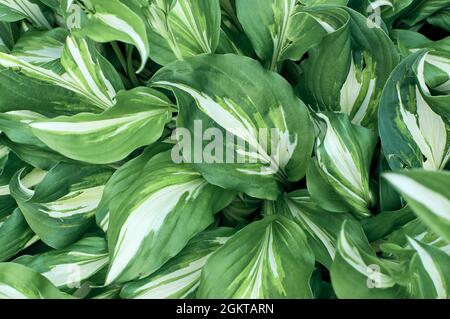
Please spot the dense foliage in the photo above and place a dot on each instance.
(350, 198)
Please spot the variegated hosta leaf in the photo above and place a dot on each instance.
(14, 10)
(42, 48)
(15, 235)
(282, 29)
(232, 36)
(338, 179)
(247, 131)
(358, 273)
(423, 10)
(321, 227)
(182, 28)
(68, 268)
(240, 210)
(87, 72)
(437, 62)
(414, 126)
(268, 259)
(352, 81)
(116, 20)
(398, 242)
(120, 181)
(20, 282)
(429, 272)
(159, 213)
(137, 119)
(428, 194)
(179, 277)
(10, 165)
(62, 206)
(8, 32)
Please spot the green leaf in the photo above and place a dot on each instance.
(428, 194)
(182, 28)
(84, 74)
(269, 258)
(137, 119)
(41, 47)
(20, 282)
(115, 20)
(413, 127)
(321, 227)
(352, 82)
(344, 154)
(179, 277)
(62, 206)
(119, 183)
(15, 235)
(429, 272)
(357, 272)
(14, 10)
(260, 133)
(70, 267)
(160, 212)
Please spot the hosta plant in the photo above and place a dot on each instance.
(224, 149)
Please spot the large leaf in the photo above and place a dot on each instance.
(117, 20)
(257, 132)
(70, 267)
(428, 194)
(85, 72)
(282, 29)
(137, 119)
(160, 212)
(15, 235)
(267, 259)
(414, 128)
(321, 227)
(62, 206)
(41, 47)
(344, 154)
(179, 277)
(357, 272)
(20, 282)
(352, 81)
(182, 28)
(121, 180)
(429, 272)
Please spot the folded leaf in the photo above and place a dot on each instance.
(413, 127)
(160, 212)
(70, 267)
(321, 227)
(179, 278)
(267, 259)
(351, 82)
(281, 30)
(15, 235)
(344, 154)
(20, 282)
(357, 272)
(182, 28)
(62, 206)
(114, 20)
